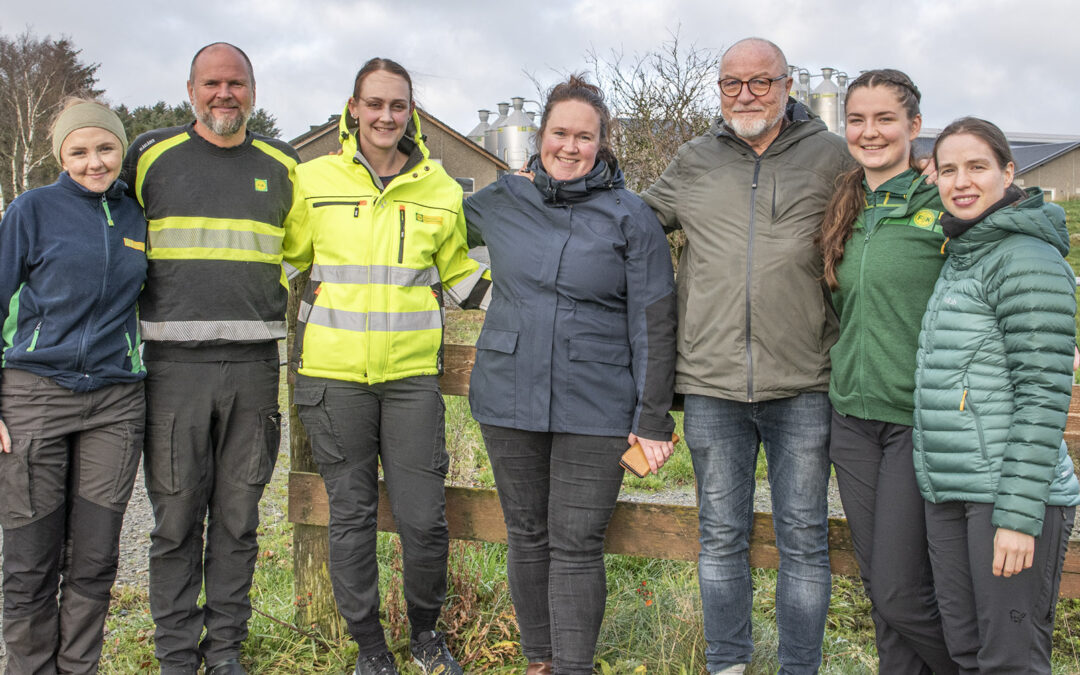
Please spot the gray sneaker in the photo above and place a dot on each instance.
(380, 664)
(431, 655)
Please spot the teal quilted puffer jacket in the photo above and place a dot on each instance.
(995, 368)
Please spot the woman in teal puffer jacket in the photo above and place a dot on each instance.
(991, 399)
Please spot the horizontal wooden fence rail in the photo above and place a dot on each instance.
(642, 529)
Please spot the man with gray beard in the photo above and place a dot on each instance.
(755, 328)
(216, 198)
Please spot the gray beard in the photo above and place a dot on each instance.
(754, 130)
(224, 127)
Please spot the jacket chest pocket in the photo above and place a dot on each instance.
(417, 232)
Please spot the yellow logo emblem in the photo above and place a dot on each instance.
(261, 185)
(924, 218)
(433, 220)
(137, 245)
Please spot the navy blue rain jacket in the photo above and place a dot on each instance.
(69, 279)
(580, 333)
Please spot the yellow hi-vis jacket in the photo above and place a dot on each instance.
(380, 261)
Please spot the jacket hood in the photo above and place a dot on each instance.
(1031, 216)
(799, 122)
(412, 143)
(601, 177)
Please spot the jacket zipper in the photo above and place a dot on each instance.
(869, 223)
(749, 270)
(34, 338)
(969, 405)
(81, 362)
(401, 240)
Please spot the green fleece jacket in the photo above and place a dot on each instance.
(887, 274)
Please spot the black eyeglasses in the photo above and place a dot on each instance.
(759, 86)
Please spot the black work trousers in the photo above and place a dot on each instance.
(995, 624)
(211, 443)
(353, 427)
(876, 477)
(63, 491)
(558, 492)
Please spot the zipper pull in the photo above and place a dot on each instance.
(962, 399)
(401, 241)
(108, 214)
(943, 245)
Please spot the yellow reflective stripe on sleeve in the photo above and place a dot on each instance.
(375, 274)
(379, 322)
(209, 238)
(274, 152)
(202, 331)
(148, 158)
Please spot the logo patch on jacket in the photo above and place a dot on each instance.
(431, 220)
(262, 185)
(137, 245)
(925, 218)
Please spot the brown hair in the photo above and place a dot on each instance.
(576, 88)
(375, 64)
(987, 132)
(848, 200)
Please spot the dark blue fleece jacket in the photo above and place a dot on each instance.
(72, 263)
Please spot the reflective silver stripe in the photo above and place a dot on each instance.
(198, 331)
(375, 274)
(304, 311)
(290, 271)
(381, 322)
(460, 291)
(197, 237)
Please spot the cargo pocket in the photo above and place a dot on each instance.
(440, 457)
(132, 447)
(267, 441)
(308, 398)
(161, 455)
(15, 483)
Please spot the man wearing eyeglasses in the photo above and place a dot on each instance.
(755, 328)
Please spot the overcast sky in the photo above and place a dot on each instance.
(1015, 63)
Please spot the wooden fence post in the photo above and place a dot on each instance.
(315, 607)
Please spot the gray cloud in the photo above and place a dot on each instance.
(1014, 65)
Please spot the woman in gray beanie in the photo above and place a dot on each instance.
(72, 263)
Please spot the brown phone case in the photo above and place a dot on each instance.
(633, 460)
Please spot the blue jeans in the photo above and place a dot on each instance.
(723, 437)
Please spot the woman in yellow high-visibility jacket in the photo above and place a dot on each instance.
(381, 227)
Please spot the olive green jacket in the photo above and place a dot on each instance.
(754, 316)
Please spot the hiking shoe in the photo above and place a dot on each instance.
(380, 664)
(431, 655)
(230, 667)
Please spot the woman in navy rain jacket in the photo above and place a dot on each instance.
(574, 363)
(72, 263)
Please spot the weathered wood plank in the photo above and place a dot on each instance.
(650, 530)
(667, 531)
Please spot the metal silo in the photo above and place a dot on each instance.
(491, 136)
(516, 136)
(801, 89)
(841, 86)
(824, 100)
(477, 134)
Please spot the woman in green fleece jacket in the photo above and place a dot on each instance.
(881, 243)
